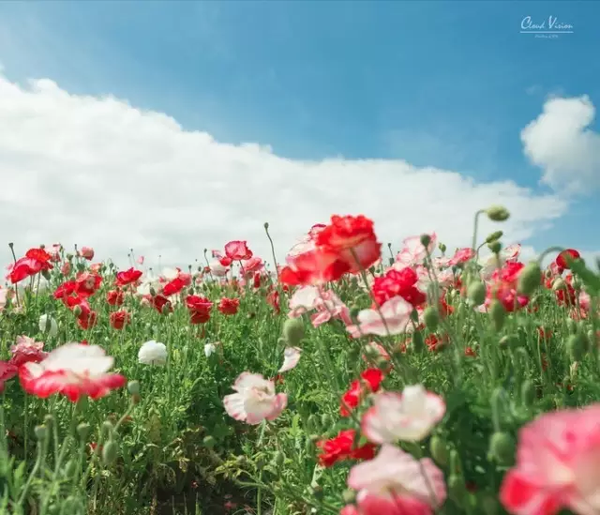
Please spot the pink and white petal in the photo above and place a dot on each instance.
(235, 406)
(291, 357)
(280, 404)
(320, 318)
(373, 504)
(248, 380)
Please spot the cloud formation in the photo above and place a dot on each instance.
(99, 172)
(561, 143)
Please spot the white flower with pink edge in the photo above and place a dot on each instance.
(255, 399)
(408, 416)
(74, 370)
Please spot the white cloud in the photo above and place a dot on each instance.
(561, 143)
(97, 171)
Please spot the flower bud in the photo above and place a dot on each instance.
(279, 459)
(77, 311)
(529, 278)
(152, 291)
(457, 489)
(442, 247)
(502, 448)
(497, 213)
(495, 246)
(354, 311)
(83, 431)
(425, 240)
(576, 345)
(266, 225)
(49, 420)
(497, 314)
(349, 496)
(133, 387)
(418, 345)
(559, 284)
(41, 432)
(439, 450)
(293, 331)
(209, 441)
(494, 236)
(431, 318)
(476, 292)
(109, 453)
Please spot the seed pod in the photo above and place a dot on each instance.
(502, 448)
(439, 450)
(431, 318)
(476, 292)
(497, 213)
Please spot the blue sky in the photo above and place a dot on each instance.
(445, 84)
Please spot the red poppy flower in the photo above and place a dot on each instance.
(87, 283)
(128, 277)
(368, 383)
(199, 309)
(400, 283)
(159, 302)
(114, 297)
(119, 319)
(229, 306)
(35, 261)
(353, 239)
(273, 301)
(561, 259)
(342, 448)
(7, 371)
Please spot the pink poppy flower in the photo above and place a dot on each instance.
(394, 478)
(461, 256)
(73, 370)
(396, 314)
(407, 416)
(558, 465)
(255, 399)
(303, 300)
(87, 253)
(413, 252)
(237, 250)
(25, 350)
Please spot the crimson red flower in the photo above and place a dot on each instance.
(119, 319)
(342, 448)
(400, 283)
(561, 259)
(199, 309)
(435, 343)
(237, 251)
(35, 261)
(229, 306)
(159, 302)
(87, 317)
(128, 277)
(369, 382)
(175, 286)
(225, 261)
(114, 297)
(256, 280)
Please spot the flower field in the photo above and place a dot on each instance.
(357, 378)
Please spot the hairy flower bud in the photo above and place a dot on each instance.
(497, 213)
(476, 292)
(494, 236)
(502, 448)
(110, 452)
(431, 318)
(439, 450)
(529, 278)
(293, 331)
(497, 314)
